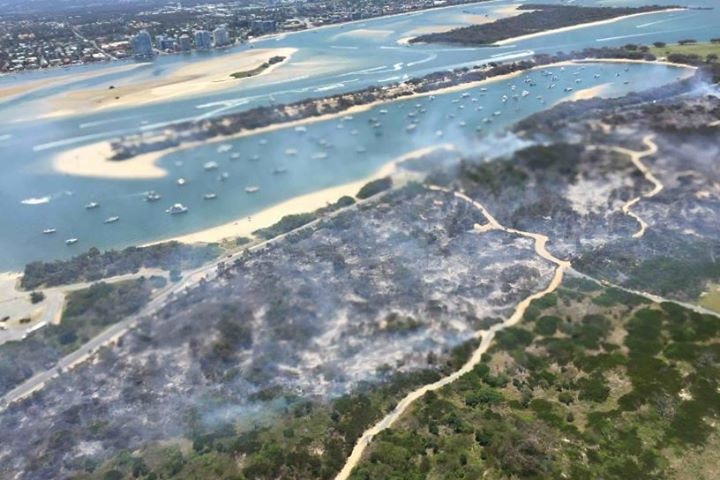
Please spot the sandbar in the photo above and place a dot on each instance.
(93, 160)
(582, 25)
(195, 78)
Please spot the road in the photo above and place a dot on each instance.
(79, 35)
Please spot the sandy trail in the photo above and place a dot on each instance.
(636, 158)
(485, 335)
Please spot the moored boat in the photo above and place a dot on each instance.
(177, 209)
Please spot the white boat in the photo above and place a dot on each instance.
(497, 113)
(111, 219)
(568, 89)
(291, 152)
(92, 206)
(320, 156)
(177, 209)
(255, 158)
(210, 196)
(279, 170)
(208, 166)
(226, 147)
(300, 129)
(263, 141)
(235, 156)
(525, 93)
(439, 133)
(410, 128)
(462, 124)
(383, 112)
(224, 176)
(181, 181)
(252, 189)
(71, 241)
(360, 150)
(152, 196)
(49, 231)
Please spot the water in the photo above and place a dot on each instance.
(352, 59)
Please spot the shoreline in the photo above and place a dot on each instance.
(245, 225)
(19, 88)
(581, 25)
(92, 160)
(270, 36)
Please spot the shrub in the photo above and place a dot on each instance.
(374, 187)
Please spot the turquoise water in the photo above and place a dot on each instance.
(27, 146)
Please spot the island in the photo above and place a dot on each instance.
(537, 18)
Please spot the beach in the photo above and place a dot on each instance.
(244, 226)
(93, 160)
(508, 41)
(195, 78)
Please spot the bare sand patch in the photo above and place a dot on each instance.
(194, 78)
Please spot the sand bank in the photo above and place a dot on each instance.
(92, 160)
(363, 33)
(582, 25)
(21, 88)
(84, 162)
(244, 226)
(195, 78)
(588, 93)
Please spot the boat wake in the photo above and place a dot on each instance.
(45, 199)
(36, 200)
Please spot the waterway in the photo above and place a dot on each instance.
(329, 60)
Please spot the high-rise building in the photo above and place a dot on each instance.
(142, 44)
(185, 43)
(263, 26)
(221, 36)
(203, 40)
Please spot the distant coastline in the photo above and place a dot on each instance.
(538, 20)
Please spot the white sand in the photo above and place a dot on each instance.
(194, 78)
(244, 226)
(582, 25)
(92, 160)
(588, 93)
